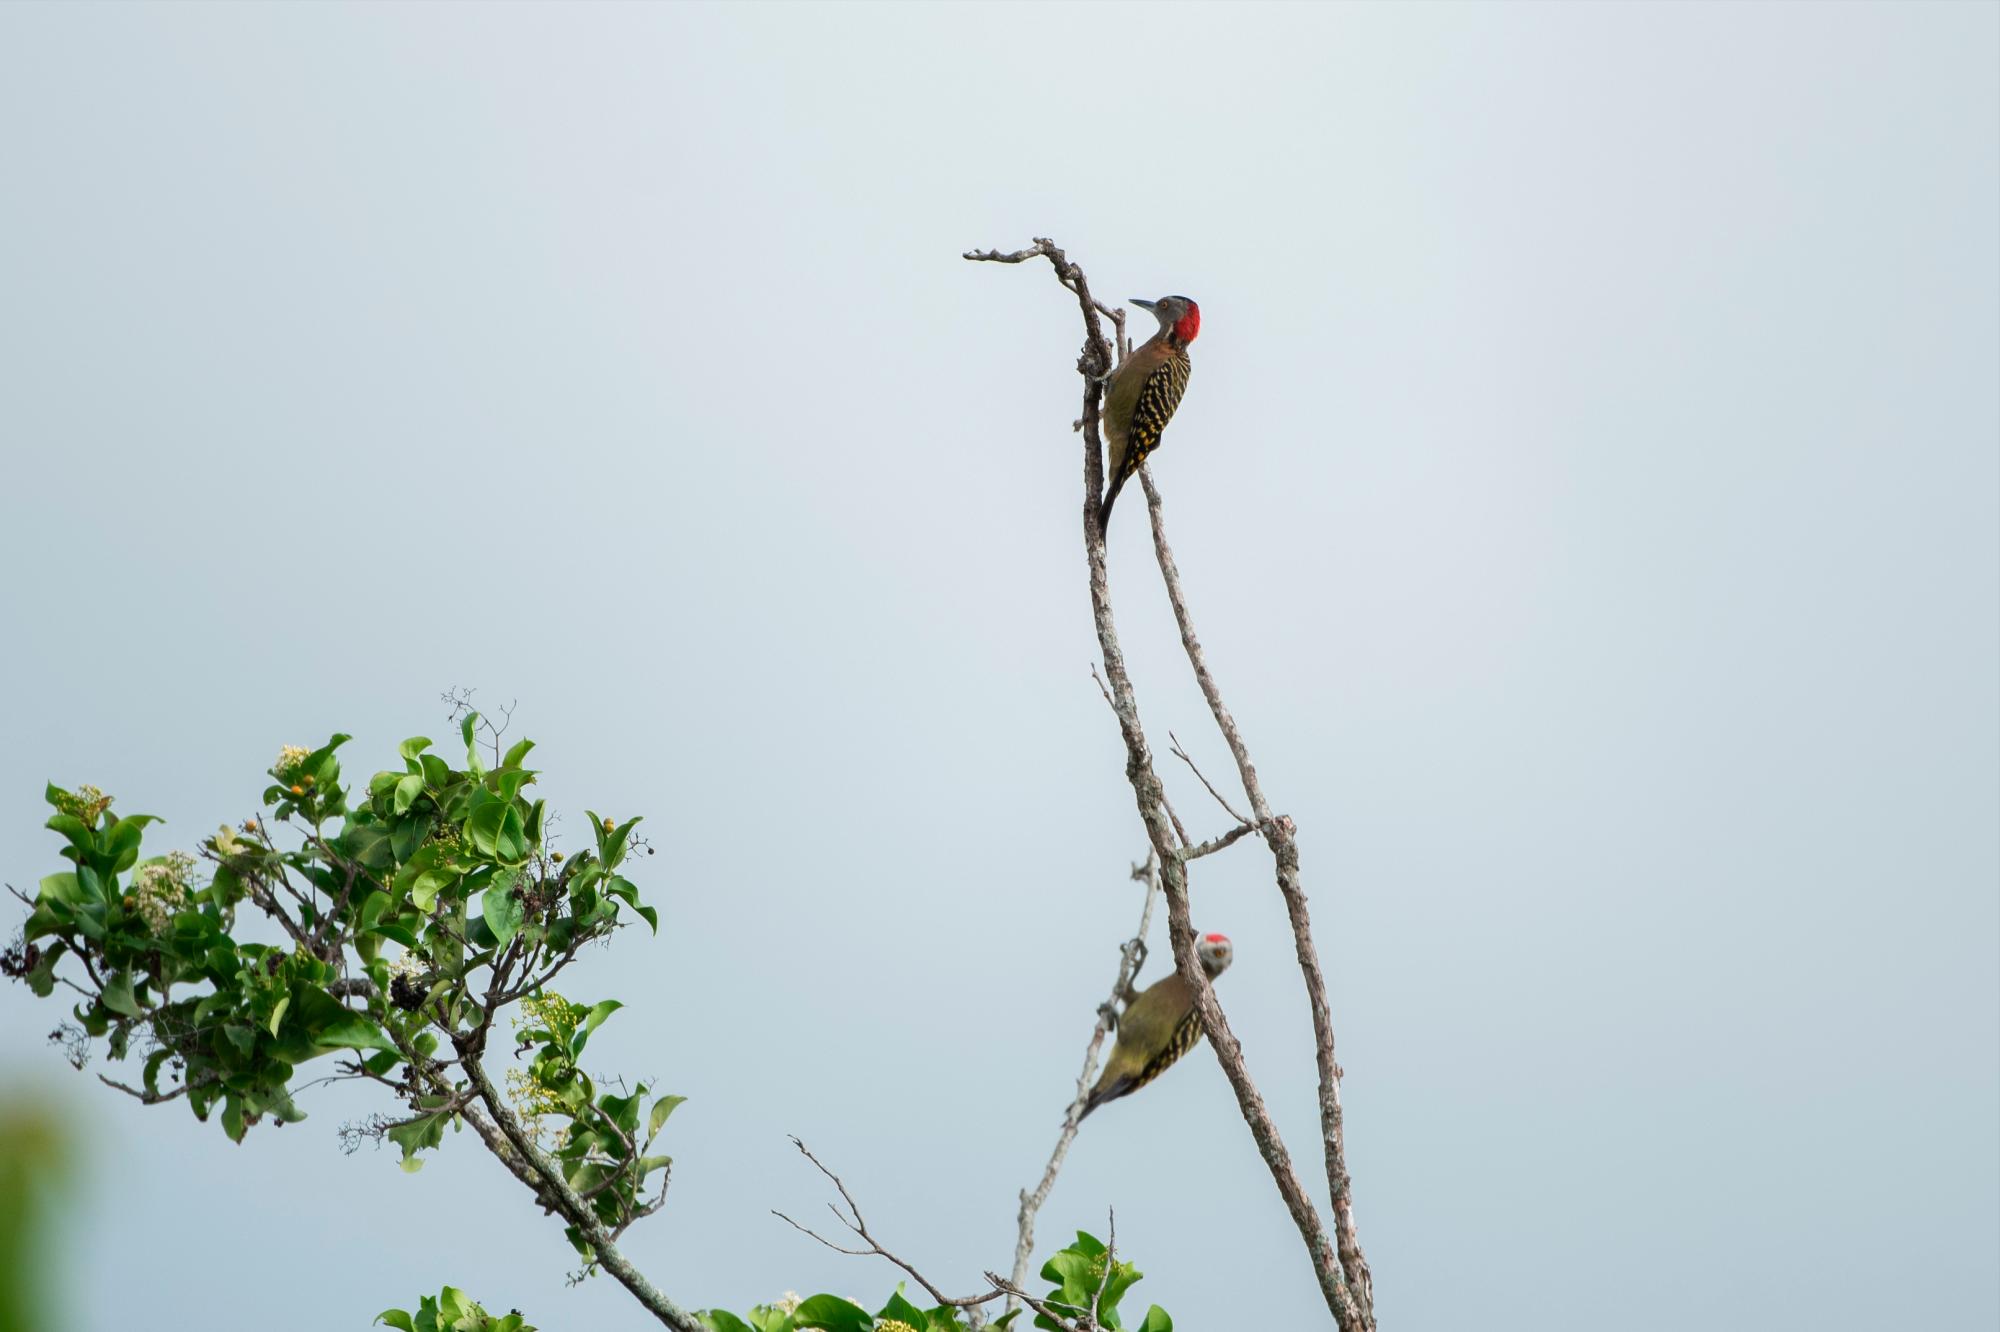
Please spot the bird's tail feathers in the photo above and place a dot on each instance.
(1109, 1091)
(1110, 495)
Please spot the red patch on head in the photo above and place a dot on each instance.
(1215, 938)
(1187, 330)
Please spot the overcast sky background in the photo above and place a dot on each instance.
(1587, 493)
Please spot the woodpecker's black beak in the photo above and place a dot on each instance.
(1143, 304)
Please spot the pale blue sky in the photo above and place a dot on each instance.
(1587, 491)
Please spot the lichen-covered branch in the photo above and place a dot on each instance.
(1280, 834)
(1349, 1304)
(1130, 955)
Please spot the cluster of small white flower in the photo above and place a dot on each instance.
(289, 757)
(160, 889)
(409, 966)
(532, 1102)
(790, 1304)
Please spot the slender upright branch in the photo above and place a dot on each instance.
(1130, 955)
(1150, 795)
(1280, 835)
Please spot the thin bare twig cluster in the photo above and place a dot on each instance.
(1065, 1318)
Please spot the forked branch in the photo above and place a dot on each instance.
(1346, 1289)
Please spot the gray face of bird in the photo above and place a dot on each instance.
(1216, 953)
(1169, 310)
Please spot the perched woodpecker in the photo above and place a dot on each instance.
(1157, 1028)
(1144, 391)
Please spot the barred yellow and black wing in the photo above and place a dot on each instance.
(1109, 1088)
(1186, 1033)
(1158, 399)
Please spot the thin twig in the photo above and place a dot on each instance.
(1110, 1263)
(1215, 844)
(1014, 1291)
(1182, 755)
(1279, 835)
(855, 1222)
(1131, 955)
(153, 1097)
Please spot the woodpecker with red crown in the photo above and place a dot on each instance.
(1157, 1028)
(1143, 393)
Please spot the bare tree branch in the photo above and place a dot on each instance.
(1215, 844)
(1041, 1307)
(1131, 955)
(1279, 835)
(855, 1223)
(1182, 755)
(1110, 1263)
(1350, 1303)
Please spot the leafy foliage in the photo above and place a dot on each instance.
(452, 1311)
(401, 921)
(449, 867)
(1084, 1288)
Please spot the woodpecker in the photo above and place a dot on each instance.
(1157, 1028)
(1144, 391)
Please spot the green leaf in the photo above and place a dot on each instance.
(591, 1022)
(407, 790)
(614, 843)
(628, 892)
(63, 887)
(834, 1314)
(900, 1308)
(425, 888)
(368, 843)
(121, 843)
(416, 1135)
(321, 763)
(721, 1320)
(498, 833)
(232, 1117)
(118, 996)
(436, 771)
(42, 980)
(661, 1109)
(396, 1318)
(503, 911)
(399, 933)
(278, 1015)
(351, 1031)
(408, 835)
(466, 730)
(413, 746)
(517, 752)
(1157, 1321)
(76, 830)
